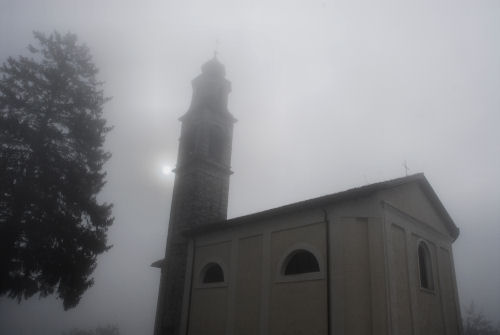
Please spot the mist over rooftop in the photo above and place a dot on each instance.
(328, 95)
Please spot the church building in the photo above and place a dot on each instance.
(371, 260)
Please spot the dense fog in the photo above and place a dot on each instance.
(328, 95)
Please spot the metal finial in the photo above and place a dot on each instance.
(406, 168)
(216, 51)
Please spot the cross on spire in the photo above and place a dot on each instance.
(405, 166)
(216, 51)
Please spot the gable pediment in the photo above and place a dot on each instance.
(418, 200)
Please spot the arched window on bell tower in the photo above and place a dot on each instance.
(188, 142)
(217, 144)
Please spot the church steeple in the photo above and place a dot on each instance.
(210, 88)
(201, 185)
(206, 142)
(207, 126)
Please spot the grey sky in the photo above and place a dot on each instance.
(329, 95)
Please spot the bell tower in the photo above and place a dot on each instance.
(201, 184)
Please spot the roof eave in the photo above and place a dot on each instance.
(326, 200)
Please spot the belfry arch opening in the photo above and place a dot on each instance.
(217, 144)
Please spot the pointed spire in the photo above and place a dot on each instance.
(216, 51)
(214, 67)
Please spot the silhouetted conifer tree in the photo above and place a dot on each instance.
(51, 168)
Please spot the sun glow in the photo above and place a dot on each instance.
(166, 170)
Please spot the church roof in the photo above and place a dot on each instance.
(350, 194)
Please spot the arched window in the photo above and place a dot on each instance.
(216, 145)
(425, 267)
(189, 139)
(212, 273)
(301, 261)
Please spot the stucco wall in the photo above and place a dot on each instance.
(358, 288)
(208, 307)
(257, 298)
(448, 283)
(429, 312)
(401, 287)
(414, 309)
(248, 291)
(373, 262)
(298, 302)
(410, 199)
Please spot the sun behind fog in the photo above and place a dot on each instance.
(166, 170)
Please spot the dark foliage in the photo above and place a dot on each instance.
(51, 134)
(476, 324)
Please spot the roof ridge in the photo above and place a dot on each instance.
(333, 197)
